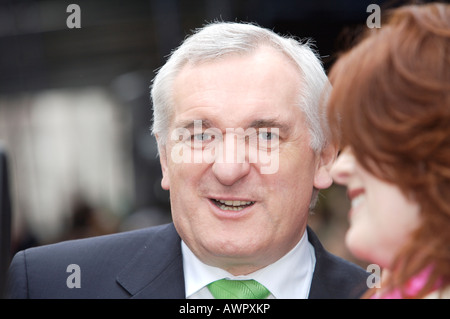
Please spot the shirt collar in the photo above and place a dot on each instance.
(289, 277)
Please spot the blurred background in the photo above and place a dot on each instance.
(75, 112)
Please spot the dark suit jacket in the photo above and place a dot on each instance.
(145, 263)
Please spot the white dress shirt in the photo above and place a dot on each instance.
(288, 278)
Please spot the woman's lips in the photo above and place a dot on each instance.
(356, 196)
(355, 192)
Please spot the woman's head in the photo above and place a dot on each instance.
(391, 105)
(381, 217)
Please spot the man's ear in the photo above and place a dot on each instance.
(327, 156)
(162, 149)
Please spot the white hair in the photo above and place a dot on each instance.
(219, 39)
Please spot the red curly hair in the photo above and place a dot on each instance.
(391, 103)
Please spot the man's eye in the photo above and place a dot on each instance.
(267, 136)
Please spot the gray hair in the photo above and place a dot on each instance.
(219, 39)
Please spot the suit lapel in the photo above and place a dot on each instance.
(318, 284)
(333, 276)
(156, 271)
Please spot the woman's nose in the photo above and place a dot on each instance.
(343, 167)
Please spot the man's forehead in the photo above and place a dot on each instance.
(265, 51)
(237, 81)
(238, 95)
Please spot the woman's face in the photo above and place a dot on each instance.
(381, 216)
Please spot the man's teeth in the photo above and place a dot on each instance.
(357, 200)
(232, 204)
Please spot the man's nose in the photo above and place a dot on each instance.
(343, 167)
(231, 160)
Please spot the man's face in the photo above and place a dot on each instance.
(230, 213)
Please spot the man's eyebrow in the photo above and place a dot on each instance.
(190, 124)
(260, 123)
(271, 123)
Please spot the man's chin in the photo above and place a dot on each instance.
(235, 256)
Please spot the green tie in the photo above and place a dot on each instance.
(238, 289)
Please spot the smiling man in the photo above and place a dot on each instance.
(271, 209)
(243, 154)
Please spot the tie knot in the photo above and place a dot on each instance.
(238, 289)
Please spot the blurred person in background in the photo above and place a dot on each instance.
(236, 219)
(390, 109)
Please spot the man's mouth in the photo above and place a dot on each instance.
(235, 205)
